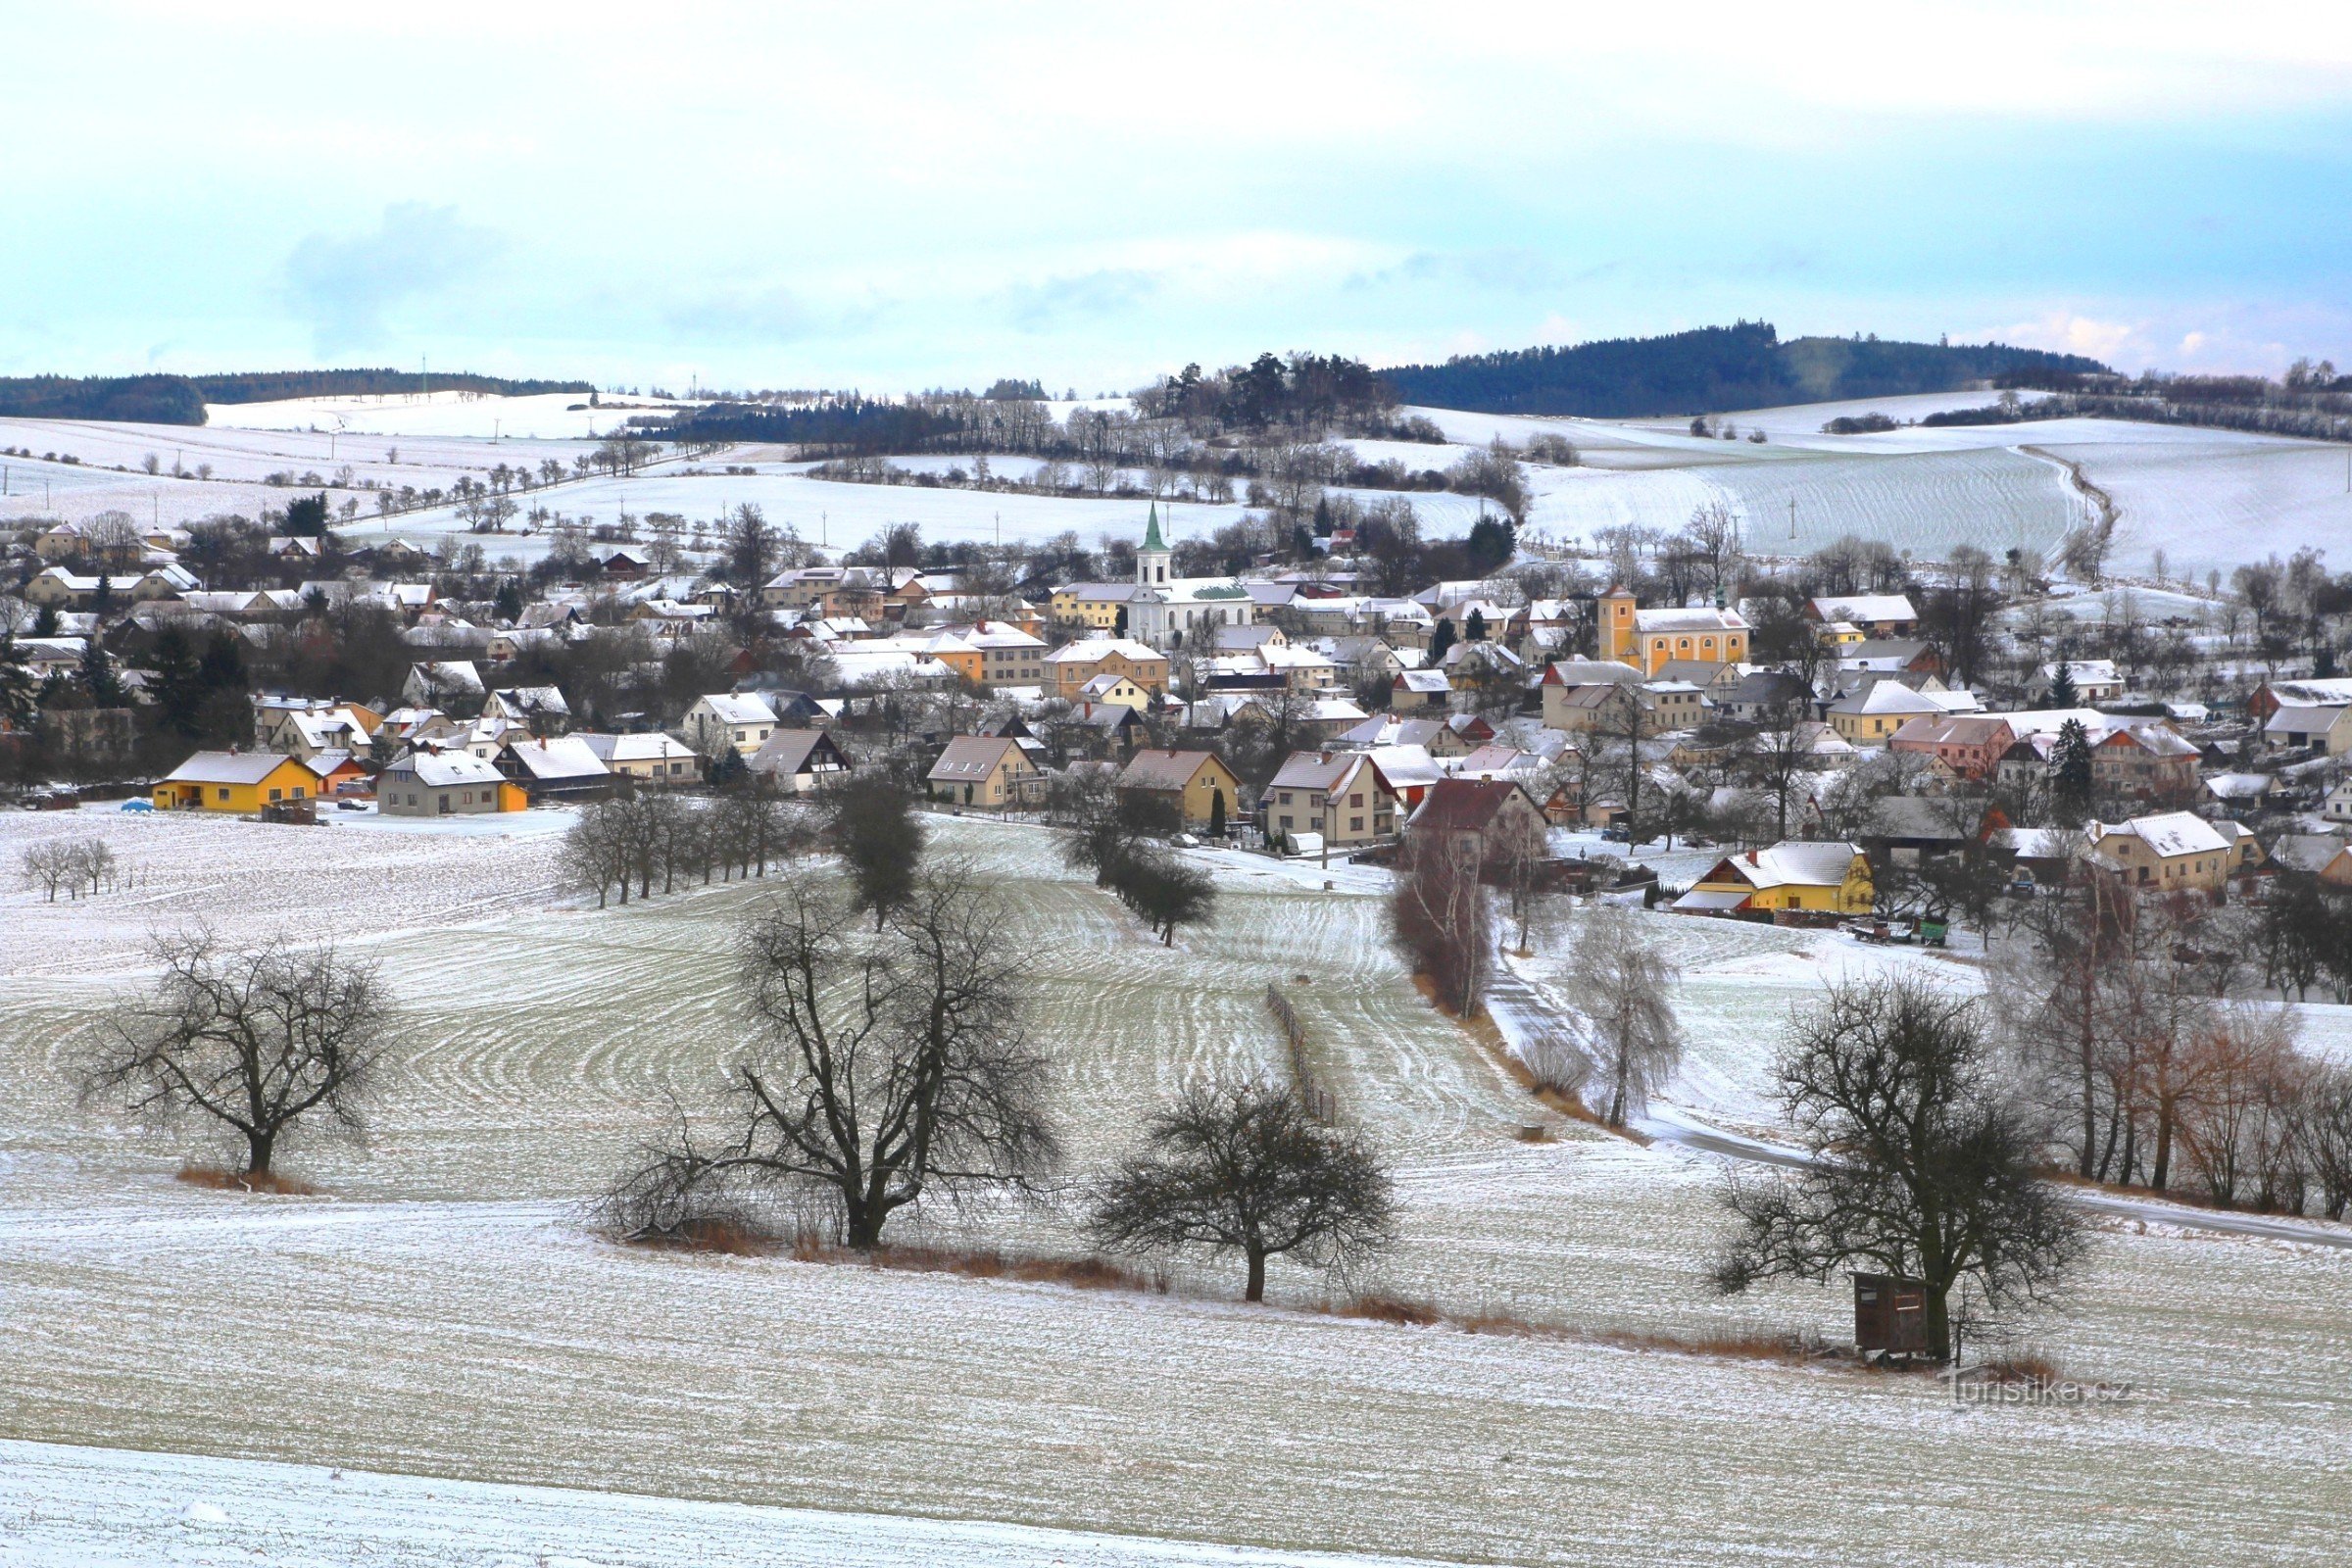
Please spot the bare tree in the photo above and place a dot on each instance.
(1620, 976)
(255, 1039)
(1244, 1168)
(48, 866)
(1440, 917)
(889, 1068)
(1919, 1163)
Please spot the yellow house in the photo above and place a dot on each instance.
(1815, 879)
(1648, 638)
(1096, 606)
(1074, 664)
(1192, 783)
(235, 781)
(2170, 852)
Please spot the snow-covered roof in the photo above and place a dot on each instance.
(1864, 607)
(740, 708)
(228, 767)
(565, 757)
(1791, 861)
(441, 769)
(1695, 618)
(2168, 833)
(1093, 649)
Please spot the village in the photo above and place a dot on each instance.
(1823, 742)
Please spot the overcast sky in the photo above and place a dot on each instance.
(893, 196)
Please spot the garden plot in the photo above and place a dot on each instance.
(449, 1270)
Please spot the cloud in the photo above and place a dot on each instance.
(1508, 270)
(2111, 342)
(349, 287)
(1053, 302)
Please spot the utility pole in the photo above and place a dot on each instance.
(1792, 520)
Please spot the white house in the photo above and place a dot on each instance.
(741, 719)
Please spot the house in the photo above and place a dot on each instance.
(2328, 728)
(335, 770)
(1195, 786)
(1648, 638)
(235, 781)
(445, 784)
(991, 772)
(1413, 690)
(1649, 707)
(561, 769)
(1792, 876)
(2317, 854)
(1891, 655)
(624, 565)
(2170, 852)
(1384, 729)
(1009, 656)
(2333, 691)
(1073, 664)
(1564, 679)
(1494, 821)
(651, 759)
(1870, 718)
(2095, 681)
(2149, 761)
(442, 682)
(542, 708)
(741, 719)
(800, 760)
(2338, 805)
(306, 731)
(1409, 770)
(1339, 795)
(1873, 614)
(1969, 744)
(1120, 691)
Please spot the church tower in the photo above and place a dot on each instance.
(1618, 640)
(1151, 561)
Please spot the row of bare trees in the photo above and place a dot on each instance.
(73, 866)
(637, 841)
(2154, 1069)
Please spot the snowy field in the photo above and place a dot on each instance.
(2211, 500)
(441, 1310)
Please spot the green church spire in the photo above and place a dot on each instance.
(1151, 539)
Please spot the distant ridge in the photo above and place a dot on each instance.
(181, 399)
(1712, 369)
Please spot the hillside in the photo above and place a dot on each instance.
(1708, 370)
(181, 399)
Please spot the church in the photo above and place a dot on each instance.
(1161, 611)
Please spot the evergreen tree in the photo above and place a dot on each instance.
(19, 698)
(179, 689)
(2070, 774)
(509, 600)
(2062, 686)
(98, 675)
(45, 621)
(1441, 639)
(1474, 627)
(306, 516)
(223, 664)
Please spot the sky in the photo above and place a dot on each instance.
(891, 196)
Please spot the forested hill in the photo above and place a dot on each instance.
(1711, 370)
(181, 399)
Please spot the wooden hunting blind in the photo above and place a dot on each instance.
(1890, 1314)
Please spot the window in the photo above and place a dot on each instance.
(223, 794)
(1286, 824)
(1355, 824)
(298, 792)
(277, 795)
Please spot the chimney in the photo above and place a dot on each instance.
(1751, 856)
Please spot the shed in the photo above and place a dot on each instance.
(1890, 1314)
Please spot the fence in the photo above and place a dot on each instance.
(1317, 1099)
